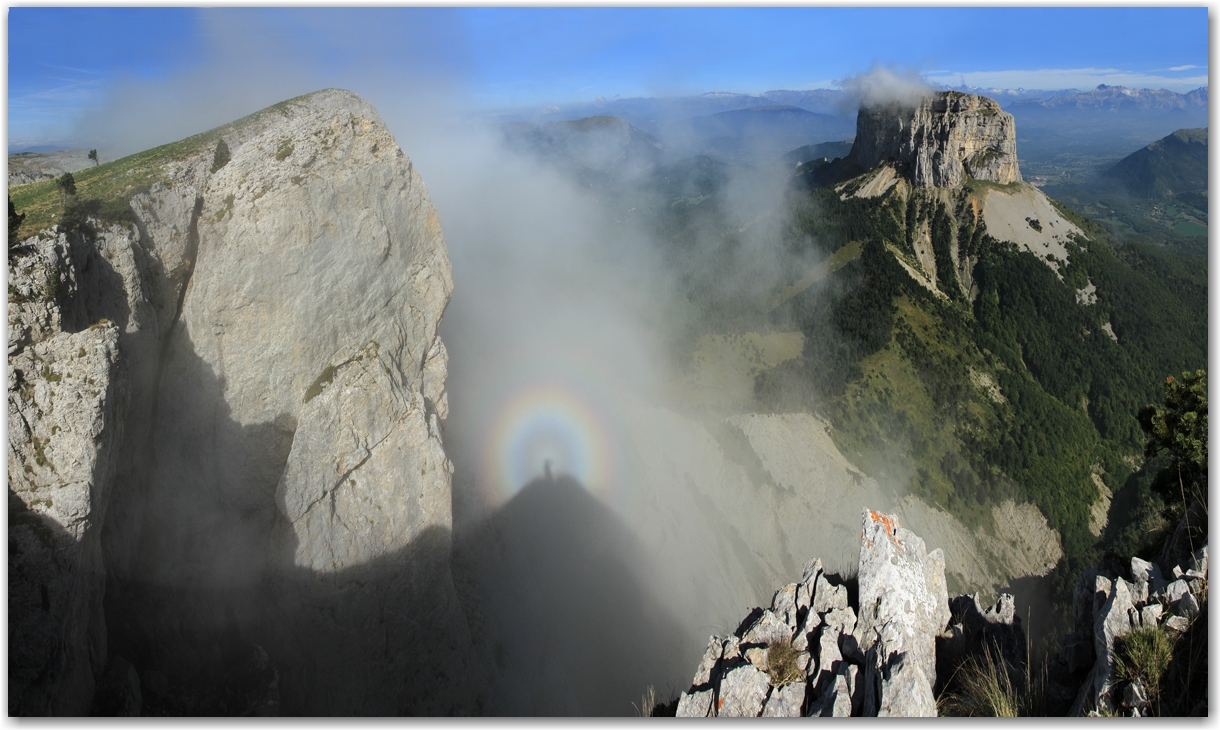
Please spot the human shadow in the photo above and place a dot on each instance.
(552, 589)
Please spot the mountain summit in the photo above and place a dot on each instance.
(940, 142)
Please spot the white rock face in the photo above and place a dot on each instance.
(271, 348)
(945, 139)
(317, 246)
(904, 605)
(66, 398)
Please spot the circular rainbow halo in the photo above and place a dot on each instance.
(548, 422)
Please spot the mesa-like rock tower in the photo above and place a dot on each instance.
(946, 138)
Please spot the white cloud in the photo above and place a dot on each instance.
(883, 85)
(1183, 68)
(1066, 78)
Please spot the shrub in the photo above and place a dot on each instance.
(283, 151)
(221, 157)
(781, 663)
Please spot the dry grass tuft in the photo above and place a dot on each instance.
(985, 690)
(781, 664)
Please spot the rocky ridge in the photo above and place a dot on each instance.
(836, 646)
(1114, 599)
(889, 641)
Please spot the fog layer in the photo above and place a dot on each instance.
(584, 451)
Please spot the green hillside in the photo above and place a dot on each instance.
(1175, 164)
(1017, 392)
(106, 190)
(1157, 195)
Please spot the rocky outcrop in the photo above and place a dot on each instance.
(246, 388)
(946, 139)
(1108, 603)
(904, 606)
(28, 167)
(813, 653)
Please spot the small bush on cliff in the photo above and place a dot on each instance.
(1179, 429)
(221, 157)
(781, 663)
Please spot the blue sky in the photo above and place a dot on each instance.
(500, 57)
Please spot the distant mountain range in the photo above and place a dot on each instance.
(1108, 120)
(735, 127)
(1115, 98)
(828, 150)
(758, 133)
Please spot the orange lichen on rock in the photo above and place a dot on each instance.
(891, 524)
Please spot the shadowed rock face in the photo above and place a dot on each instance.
(941, 142)
(256, 421)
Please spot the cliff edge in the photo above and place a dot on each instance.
(226, 406)
(945, 139)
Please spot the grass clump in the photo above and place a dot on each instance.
(985, 690)
(781, 663)
(283, 151)
(51, 289)
(1144, 655)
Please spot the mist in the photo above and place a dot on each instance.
(884, 86)
(583, 466)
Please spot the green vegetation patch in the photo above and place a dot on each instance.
(1144, 655)
(106, 190)
(1189, 228)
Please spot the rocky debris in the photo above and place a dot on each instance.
(786, 701)
(942, 141)
(1178, 623)
(743, 691)
(893, 673)
(1135, 697)
(28, 167)
(1109, 602)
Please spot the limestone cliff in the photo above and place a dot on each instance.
(942, 141)
(952, 160)
(243, 382)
